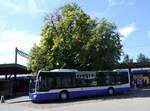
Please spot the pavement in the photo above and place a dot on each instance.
(136, 100)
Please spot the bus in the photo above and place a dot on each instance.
(68, 83)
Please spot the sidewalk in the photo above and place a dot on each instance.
(12, 107)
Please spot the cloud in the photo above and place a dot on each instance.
(21, 39)
(11, 59)
(120, 2)
(35, 8)
(126, 31)
(7, 59)
(148, 33)
(9, 39)
(32, 7)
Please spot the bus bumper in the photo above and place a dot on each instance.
(35, 97)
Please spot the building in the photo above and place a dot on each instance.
(141, 77)
(14, 79)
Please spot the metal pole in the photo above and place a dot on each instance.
(5, 76)
(2, 99)
(16, 50)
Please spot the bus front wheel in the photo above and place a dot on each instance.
(111, 91)
(63, 95)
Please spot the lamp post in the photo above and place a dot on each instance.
(16, 50)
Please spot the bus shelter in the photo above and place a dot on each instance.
(14, 79)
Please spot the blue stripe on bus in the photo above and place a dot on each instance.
(73, 94)
(83, 93)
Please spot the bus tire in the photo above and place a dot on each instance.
(64, 95)
(111, 91)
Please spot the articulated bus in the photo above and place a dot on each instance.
(66, 83)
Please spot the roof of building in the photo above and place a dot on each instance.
(13, 69)
(133, 65)
(141, 71)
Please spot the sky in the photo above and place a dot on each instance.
(21, 22)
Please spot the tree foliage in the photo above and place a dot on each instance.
(141, 58)
(127, 59)
(72, 39)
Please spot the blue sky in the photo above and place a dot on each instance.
(21, 22)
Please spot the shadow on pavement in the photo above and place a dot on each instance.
(23, 101)
(19, 98)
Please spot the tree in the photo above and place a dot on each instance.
(104, 48)
(141, 58)
(127, 60)
(72, 39)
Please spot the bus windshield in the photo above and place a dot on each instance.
(32, 86)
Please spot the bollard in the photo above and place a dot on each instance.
(2, 99)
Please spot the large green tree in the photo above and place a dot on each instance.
(72, 39)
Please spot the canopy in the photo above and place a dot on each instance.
(133, 65)
(13, 69)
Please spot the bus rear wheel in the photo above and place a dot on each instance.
(63, 95)
(111, 91)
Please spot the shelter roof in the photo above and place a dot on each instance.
(13, 69)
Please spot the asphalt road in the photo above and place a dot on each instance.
(136, 100)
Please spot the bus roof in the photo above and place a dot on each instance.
(64, 70)
(55, 73)
(121, 70)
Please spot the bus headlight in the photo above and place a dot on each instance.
(34, 96)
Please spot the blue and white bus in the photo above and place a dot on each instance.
(65, 83)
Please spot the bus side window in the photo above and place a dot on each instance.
(65, 82)
(80, 82)
(73, 81)
(58, 82)
(101, 79)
